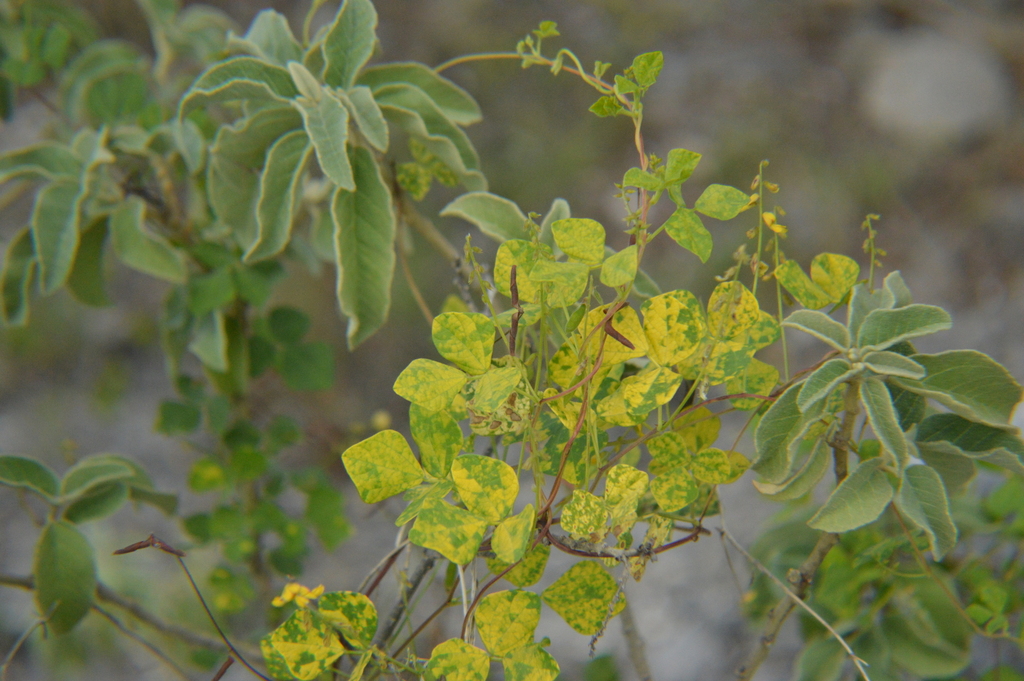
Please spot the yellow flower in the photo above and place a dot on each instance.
(298, 593)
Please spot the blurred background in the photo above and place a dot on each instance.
(911, 109)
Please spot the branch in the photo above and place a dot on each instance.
(635, 644)
(801, 580)
(159, 654)
(397, 612)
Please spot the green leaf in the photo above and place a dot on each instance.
(910, 407)
(325, 513)
(882, 417)
(722, 202)
(863, 302)
(364, 234)
(646, 67)
(16, 278)
(882, 328)
(349, 42)
(412, 110)
(507, 620)
(493, 215)
(307, 366)
(917, 645)
(635, 177)
(353, 613)
(583, 597)
(922, 499)
(456, 660)
(98, 502)
(465, 339)
(326, 123)
(488, 487)
(606, 106)
(686, 229)
(18, 471)
(821, 326)
(453, 532)
(582, 239)
(279, 194)
(969, 383)
(457, 104)
(85, 282)
(287, 324)
(968, 437)
(893, 364)
(512, 536)
(674, 326)
(438, 436)
(238, 78)
(679, 165)
(774, 433)
(530, 663)
(620, 269)
(585, 516)
(141, 250)
(898, 289)
(674, 488)
(858, 500)
(65, 576)
(209, 292)
(430, 384)
(823, 381)
(42, 161)
(821, 660)
(210, 341)
(368, 116)
(306, 644)
(381, 466)
(55, 232)
(270, 37)
(92, 472)
(956, 470)
(803, 480)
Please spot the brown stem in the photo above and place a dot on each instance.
(397, 612)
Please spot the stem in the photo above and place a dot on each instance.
(397, 612)
(635, 644)
(160, 655)
(411, 282)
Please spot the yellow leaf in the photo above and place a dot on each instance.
(430, 384)
(464, 339)
(674, 489)
(583, 597)
(453, 532)
(582, 239)
(529, 571)
(306, 644)
(513, 535)
(524, 255)
(835, 274)
(732, 310)
(530, 663)
(626, 323)
(456, 660)
(585, 516)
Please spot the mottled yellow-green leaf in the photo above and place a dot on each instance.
(764, 332)
(524, 255)
(456, 660)
(835, 274)
(276, 666)
(674, 326)
(306, 644)
(674, 489)
(507, 620)
(494, 387)
(585, 516)
(430, 384)
(626, 323)
(727, 359)
(360, 666)
(488, 487)
(565, 370)
(668, 450)
(732, 310)
(416, 497)
(613, 411)
(438, 436)
(381, 466)
(659, 529)
(684, 226)
(530, 663)
(563, 282)
(620, 269)
(699, 428)
(529, 571)
(712, 466)
(722, 202)
(758, 379)
(624, 487)
(464, 339)
(513, 535)
(583, 597)
(581, 239)
(351, 612)
(800, 286)
(565, 408)
(453, 532)
(649, 389)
